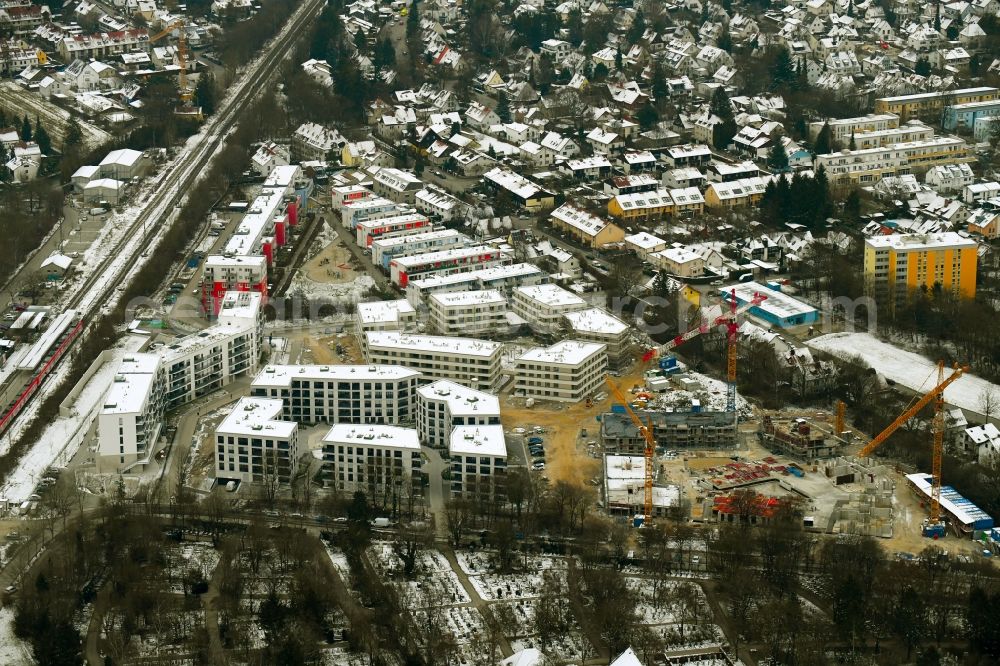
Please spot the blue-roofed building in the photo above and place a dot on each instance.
(962, 513)
(778, 309)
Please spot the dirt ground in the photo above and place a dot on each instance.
(566, 457)
(333, 265)
(322, 350)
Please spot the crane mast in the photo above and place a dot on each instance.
(646, 430)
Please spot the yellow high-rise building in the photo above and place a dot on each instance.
(901, 263)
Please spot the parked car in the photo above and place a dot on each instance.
(535, 440)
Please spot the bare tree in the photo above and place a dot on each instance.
(989, 402)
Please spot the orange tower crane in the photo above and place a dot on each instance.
(937, 395)
(646, 430)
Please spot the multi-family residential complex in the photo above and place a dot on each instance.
(503, 278)
(232, 273)
(437, 203)
(384, 249)
(543, 306)
(445, 405)
(445, 262)
(931, 104)
(396, 185)
(568, 371)
(899, 263)
(870, 165)
(340, 393)
(597, 325)
(478, 460)
(254, 445)
(206, 361)
(522, 191)
(384, 316)
(131, 415)
(841, 129)
(474, 363)
(382, 461)
(373, 228)
(468, 312)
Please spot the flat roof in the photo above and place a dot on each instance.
(392, 221)
(551, 295)
(478, 440)
(943, 93)
(387, 436)
(644, 240)
(379, 312)
(565, 352)
(416, 239)
(777, 303)
(910, 242)
(257, 417)
(128, 393)
(139, 364)
(679, 255)
(460, 298)
(484, 274)
(224, 261)
(432, 343)
(462, 400)
(281, 376)
(443, 255)
(595, 320)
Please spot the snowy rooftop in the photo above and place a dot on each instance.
(257, 417)
(393, 221)
(485, 274)
(462, 400)
(125, 157)
(281, 376)
(551, 295)
(911, 242)
(414, 239)
(777, 303)
(139, 364)
(964, 510)
(644, 240)
(597, 321)
(128, 393)
(649, 199)
(388, 436)
(478, 440)
(579, 219)
(443, 255)
(240, 305)
(256, 223)
(451, 299)
(514, 183)
(565, 352)
(437, 199)
(432, 343)
(679, 255)
(220, 261)
(381, 312)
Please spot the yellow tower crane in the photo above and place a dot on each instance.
(936, 394)
(182, 54)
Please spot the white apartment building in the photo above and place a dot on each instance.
(543, 306)
(842, 128)
(445, 405)
(468, 361)
(385, 249)
(131, 415)
(384, 316)
(383, 461)
(396, 185)
(340, 393)
(503, 278)
(468, 312)
(432, 201)
(203, 362)
(598, 325)
(568, 371)
(231, 273)
(680, 261)
(478, 460)
(872, 164)
(371, 229)
(253, 445)
(445, 262)
(367, 208)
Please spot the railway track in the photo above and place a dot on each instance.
(137, 243)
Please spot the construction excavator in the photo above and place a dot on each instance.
(934, 527)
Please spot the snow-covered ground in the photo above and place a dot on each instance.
(908, 369)
(13, 651)
(61, 439)
(712, 396)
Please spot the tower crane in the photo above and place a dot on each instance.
(937, 395)
(729, 320)
(186, 93)
(646, 430)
